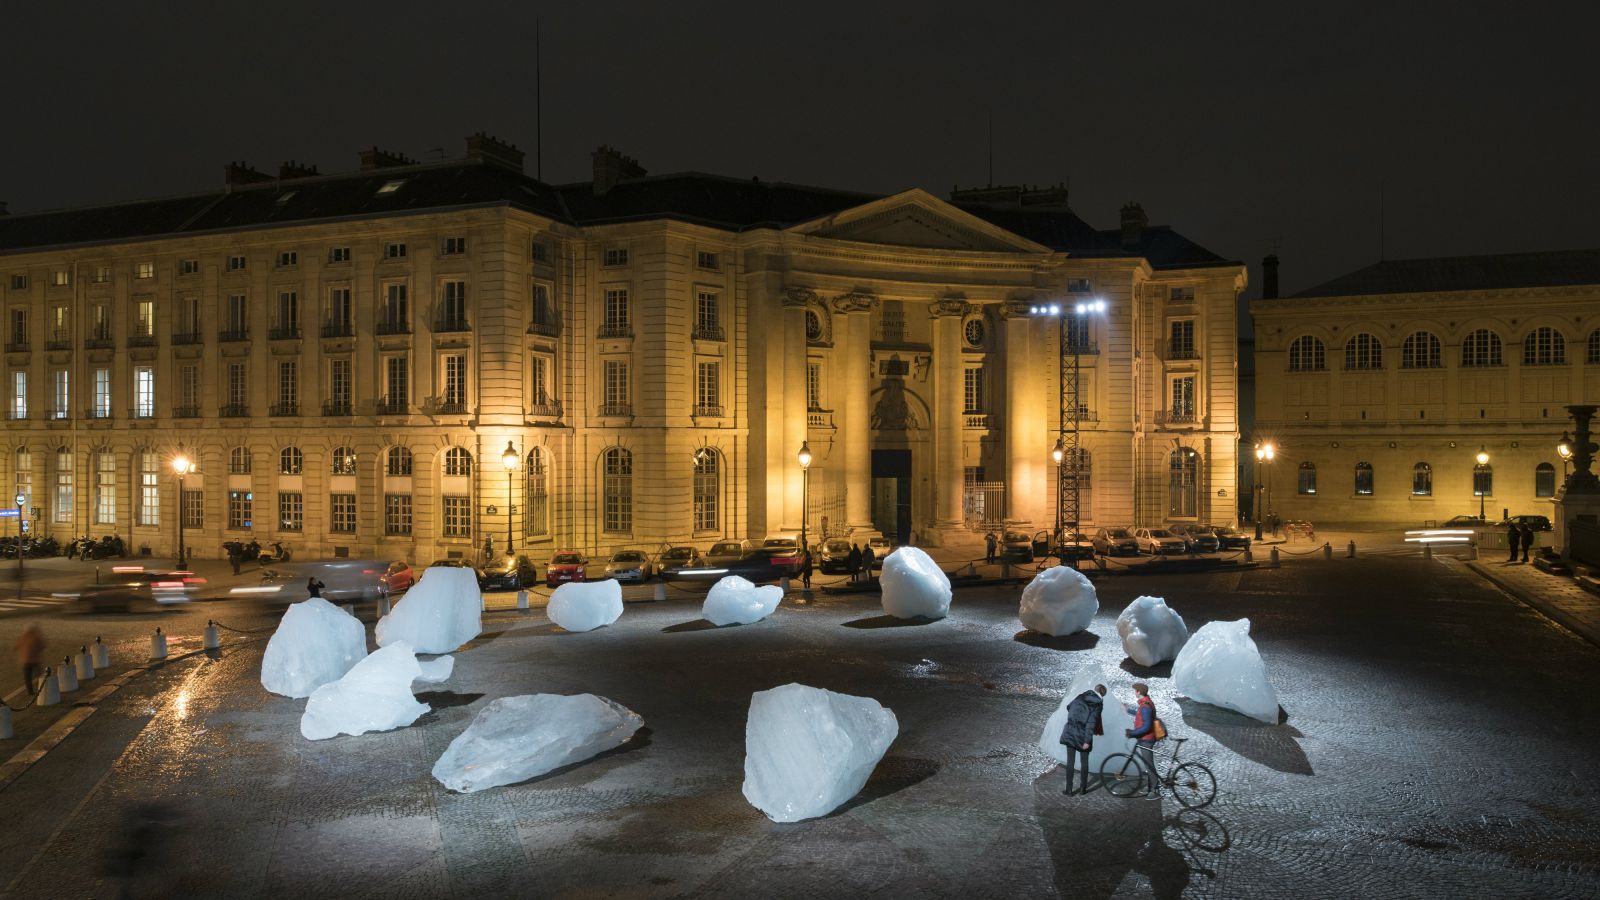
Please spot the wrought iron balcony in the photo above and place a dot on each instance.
(1083, 348)
(285, 409)
(548, 329)
(58, 344)
(234, 335)
(336, 407)
(616, 331)
(186, 412)
(451, 407)
(1181, 350)
(185, 337)
(707, 411)
(393, 326)
(549, 409)
(1167, 417)
(616, 409)
(710, 333)
(338, 330)
(284, 333)
(388, 407)
(100, 412)
(451, 325)
(141, 340)
(13, 415)
(234, 411)
(99, 342)
(148, 412)
(17, 347)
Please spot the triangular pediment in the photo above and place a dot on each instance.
(916, 218)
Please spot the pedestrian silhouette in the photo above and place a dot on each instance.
(314, 587)
(852, 561)
(989, 544)
(1513, 538)
(1083, 723)
(30, 644)
(867, 558)
(1527, 541)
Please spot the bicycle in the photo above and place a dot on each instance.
(1191, 783)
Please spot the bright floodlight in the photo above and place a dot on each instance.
(1055, 310)
(1483, 456)
(509, 458)
(1034, 310)
(804, 455)
(1270, 451)
(182, 465)
(1099, 306)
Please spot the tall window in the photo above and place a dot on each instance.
(453, 306)
(63, 394)
(343, 461)
(536, 488)
(291, 511)
(102, 394)
(616, 323)
(394, 314)
(238, 385)
(708, 388)
(1422, 480)
(616, 383)
(149, 488)
(544, 314)
(398, 462)
(144, 392)
(1593, 356)
(457, 516)
(539, 371)
(339, 382)
(19, 395)
(240, 509)
(1183, 483)
(1363, 352)
(64, 470)
(1363, 479)
(1307, 484)
(291, 461)
(1182, 393)
(397, 514)
(236, 315)
(1544, 480)
(194, 508)
(455, 379)
(1481, 349)
(239, 461)
(814, 386)
(1078, 333)
(25, 475)
(288, 386)
(100, 323)
(1483, 480)
(189, 317)
(617, 491)
(706, 491)
(1182, 338)
(396, 382)
(707, 316)
(1544, 347)
(343, 513)
(1307, 354)
(288, 314)
(1420, 351)
(457, 462)
(19, 325)
(972, 389)
(144, 322)
(340, 315)
(105, 488)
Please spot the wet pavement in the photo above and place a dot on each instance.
(1436, 741)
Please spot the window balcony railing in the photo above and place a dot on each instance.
(147, 412)
(17, 347)
(388, 407)
(451, 407)
(13, 415)
(180, 338)
(451, 325)
(393, 326)
(285, 409)
(975, 419)
(186, 412)
(548, 409)
(1168, 417)
(284, 333)
(616, 409)
(817, 417)
(336, 407)
(141, 340)
(1179, 350)
(616, 331)
(548, 329)
(234, 335)
(709, 333)
(707, 411)
(100, 412)
(234, 411)
(59, 415)
(58, 345)
(99, 342)
(338, 330)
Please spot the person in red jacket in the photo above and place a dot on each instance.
(1143, 730)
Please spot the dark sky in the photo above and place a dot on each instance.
(1248, 126)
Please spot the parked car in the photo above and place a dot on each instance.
(508, 573)
(1016, 546)
(1159, 541)
(630, 565)
(1464, 522)
(565, 566)
(1116, 542)
(785, 552)
(880, 549)
(834, 557)
(1537, 523)
(676, 558)
(397, 577)
(724, 552)
(1200, 538)
(1074, 545)
(1230, 538)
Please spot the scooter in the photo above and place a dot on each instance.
(279, 554)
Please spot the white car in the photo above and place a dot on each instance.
(630, 565)
(1159, 541)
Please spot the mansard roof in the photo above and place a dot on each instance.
(1499, 271)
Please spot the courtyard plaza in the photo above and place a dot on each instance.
(1435, 741)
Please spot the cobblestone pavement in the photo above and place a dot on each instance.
(1437, 742)
(1557, 596)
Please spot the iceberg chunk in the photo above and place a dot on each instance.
(585, 605)
(1115, 719)
(316, 642)
(1059, 600)
(435, 671)
(516, 738)
(375, 695)
(439, 613)
(1220, 665)
(807, 750)
(735, 601)
(1151, 631)
(914, 585)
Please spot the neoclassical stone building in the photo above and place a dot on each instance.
(1381, 387)
(349, 359)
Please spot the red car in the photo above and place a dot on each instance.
(564, 567)
(397, 577)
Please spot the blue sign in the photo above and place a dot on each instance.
(9, 513)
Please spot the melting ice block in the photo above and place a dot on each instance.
(316, 642)
(807, 750)
(517, 738)
(1220, 665)
(1151, 631)
(1059, 600)
(735, 601)
(436, 670)
(1115, 719)
(585, 605)
(375, 695)
(441, 612)
(914, 585)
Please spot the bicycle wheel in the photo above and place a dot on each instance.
(1193, 785)
(1122, 775)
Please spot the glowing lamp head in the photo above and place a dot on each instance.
(1059, 452)
(509, 458)
(182, 465)
(804, 456)
(1564, 449)
(1055, 310)
(1270, 451)
(1483, 456)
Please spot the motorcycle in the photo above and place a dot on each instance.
(279, 554)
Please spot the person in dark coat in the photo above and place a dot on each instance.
(235, 555)
(1527, 541)
(989, 543)
(805, 572)
(1513, 539)
(1083, 723)
(867, 558)
(852, 561)
(314, 587)
(1143, 730)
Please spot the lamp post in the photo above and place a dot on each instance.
(1069, 513)
(1477, 477)
(1059, 454)
(509, 460)
(21, 498)
(1269, 452)
(1564, 450)
(804, 457)
(182, 465)
(1261, 456)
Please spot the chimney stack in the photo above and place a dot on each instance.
(611, 167)
(1269, 277)
(1134, 222)
(235, 174)
(383, 159)
(293, 169)
(489, 149)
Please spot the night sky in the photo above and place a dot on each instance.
(1250, 127)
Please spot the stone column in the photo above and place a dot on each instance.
(1579, 497)
(793, 402)
(852, 349)
(949, 391)
(1026, 448)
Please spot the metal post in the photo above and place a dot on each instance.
(805, 506)
(1258, 499)
(183, 560)
(20, 501)
(510, 494)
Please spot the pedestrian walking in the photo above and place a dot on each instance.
(235, 556)
(1527, 541)
(314, 587)
(805, 572)
(989, 543)
(1513, 539)
(30, 646)
(867, 559)
(1083, 723)
(1143, 730)
(852, 561)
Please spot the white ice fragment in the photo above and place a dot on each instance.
(442, 611)
(807, 750)
(516, 738)
(1151, 631)
(914, 585)
(735, 601)
(1115, 719)
(316, 642)
(375, 695)
(435, 671)
(1220, 665)
(585, 605)
(1059, 600)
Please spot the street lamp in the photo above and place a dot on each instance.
(182, 465)
(1564, 450)
(1059, 454)
(804, 456)
(21, 498)
(509, 460)
(1261, 456)
(1477, 476)
(1265, 453)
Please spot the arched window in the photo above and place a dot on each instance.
(1422, 480)
(813, 326)
(1363, 352)
(457, 461)
(1307, 484)
(1544, 480)
(239, 461)
(1363, 479)
(1307, 354)
(1183, 485)
(536, 490)
(707, 491)
(343, 461)
(1593, 356)
(1544, 347)
(617, 491)
(291, 461)
(1483, 480)
(1420, 351)
(398, 462)
(1481, 349)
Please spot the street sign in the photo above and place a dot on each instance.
(9, 513)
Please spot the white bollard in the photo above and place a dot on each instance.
(522, 599)
(1350, 551)
(50, 691)
(213, 639)
(102, 654)
(6, 731)
(1327, 550)
(784, 583)
(1472, 550)
(1248, 555)
(1272, 559)
(158, 645)
(661, 590)
(1427, 551)
(68, 678)
(85, 665)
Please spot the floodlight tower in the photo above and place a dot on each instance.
(1068, 452)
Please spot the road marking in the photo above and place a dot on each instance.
(12, 768)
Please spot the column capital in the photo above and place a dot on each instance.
(799, 297)
(1015, 309)
(855, 300)
(954, 305)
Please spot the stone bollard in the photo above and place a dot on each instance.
(1327, 550)
(1350, 551)
(1427, 551)
(158, 645)
(6, 731)
(522, 600)
(213, 639)
(85, 665)
(50, 690)
(383, 607)
(1005, 568)
(784, 583)
(102, 654)
(1249, 556)
(661, 590)
(1472, 550)
(1272, 559)
(972, 570)
(67, 679)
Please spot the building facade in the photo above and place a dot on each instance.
(1381, 388)
(408, 360)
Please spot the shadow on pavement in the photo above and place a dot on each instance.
(1273, 746)
(1095, 840)
(888, 621)
(692, 625)
(1159, 670)
(446, 699)
(1078, 640)
(892, 775)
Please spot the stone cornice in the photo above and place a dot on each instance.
(1430, 299)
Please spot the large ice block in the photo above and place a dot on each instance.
(315, 643)
(516, 738)
(441, 612)
(1220, 665)
(435, 671)
(585, 605)
(807, 750)
(735, 601)
(914, 585)
(1151, 631)
(375, 695)
(1115, 719)
(1059, 600)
